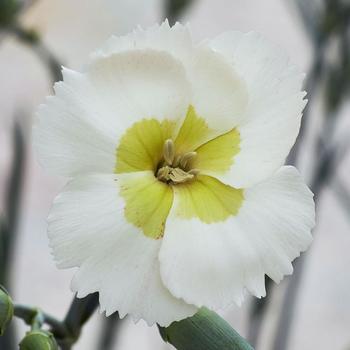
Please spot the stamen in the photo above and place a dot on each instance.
(194, 171)
(179, 176)
(163, 173)
(176, 160)
(174, 175)
(169, 151)
(174, 169)
(187, 157)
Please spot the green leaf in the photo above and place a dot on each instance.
(204, 331)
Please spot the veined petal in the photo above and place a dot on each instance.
(208, 199)
(88, 229)
(79, 129)
(271, 122)
(217, 155)
(147, 203)
(193, 132)
(141, 147)
(270, 230)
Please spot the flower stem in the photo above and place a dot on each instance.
(78, 314)
(109, 332)
(36, 318)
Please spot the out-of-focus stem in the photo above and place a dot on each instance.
(174, 9)
(10, 220)
(109, 332)
(78, 314)
(29, 315)
(8, 224)
(34, 41)
(257, 313)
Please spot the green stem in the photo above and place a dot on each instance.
(110, 328)
(35, 318)
(8, 224)
(32, 39)
(78, 314)
(66, 332)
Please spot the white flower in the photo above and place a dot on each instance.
(179, 197)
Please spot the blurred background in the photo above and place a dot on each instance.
(309, 310)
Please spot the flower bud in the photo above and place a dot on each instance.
(38, 340)
(6, 310)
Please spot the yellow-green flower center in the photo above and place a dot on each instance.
(167, 160)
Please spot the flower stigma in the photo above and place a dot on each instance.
(175, 169)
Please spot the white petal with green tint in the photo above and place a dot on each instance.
(79, 129)
(87, 229)
(220, 95)
(212, 264)
(141, 84)
(271, 121)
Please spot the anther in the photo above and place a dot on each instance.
(179, 176)
(176, 160)
(169, 151)
(186, 158)
(194, 171)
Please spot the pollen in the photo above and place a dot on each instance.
(175, 169)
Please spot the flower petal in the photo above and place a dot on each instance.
(141, 84)
(208, 199)
(71, 133)
(271, 121)
(176, 40)
(79, 129)
(219, 93)
(217, 155)
(147, 203)
(141, 147)
(87, 229)
(212, 264)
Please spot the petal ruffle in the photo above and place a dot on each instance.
(271, 121)
(87, 229)
(212, 264)
(71, 133)
(176, 40)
